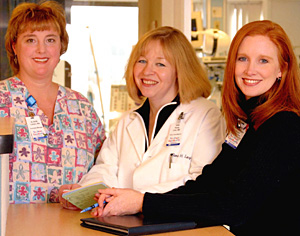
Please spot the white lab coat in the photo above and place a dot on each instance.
(123, 162)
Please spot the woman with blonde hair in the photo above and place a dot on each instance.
(175, 131)
(252, 185)
(191, 78)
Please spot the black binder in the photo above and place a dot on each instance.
(135, 225)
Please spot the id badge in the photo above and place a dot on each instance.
(174, 136)
(36, 128)
(234, 140)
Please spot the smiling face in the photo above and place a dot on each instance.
(155, 76)
(257, 65)
(38, 53)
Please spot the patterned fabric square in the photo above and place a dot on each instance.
(39, 153)
(73, 107)
(43, 117)
(22, 192)
(19, 115)
(79, 124)
(81, 157)
(85, 109)
(65, 122)
(69, 139)
(69, 175)
(55, 175)
(55, 140)
(13, 84)
(89, 143)
(38, 192)
(4, 99)
(18, 100)
(68, 157)
(21, 171)
(38, 172)
(60, 107)
(54, 156)
(21, 133)
(80, 139)
(24, 151)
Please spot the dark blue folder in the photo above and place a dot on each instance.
(135, 225)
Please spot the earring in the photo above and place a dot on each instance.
(278, 79)
(16, 59)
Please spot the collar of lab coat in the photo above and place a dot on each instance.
(163, 113)
(161, 117)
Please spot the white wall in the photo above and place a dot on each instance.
(287, 14)
(177, 13)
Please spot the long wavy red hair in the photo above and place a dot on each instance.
(283, 96)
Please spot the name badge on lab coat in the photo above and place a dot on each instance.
(176, 129)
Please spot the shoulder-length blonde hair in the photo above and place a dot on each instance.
(284, 95)
(191, 77)
(32, 17)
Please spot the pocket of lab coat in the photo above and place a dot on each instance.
(179, 168)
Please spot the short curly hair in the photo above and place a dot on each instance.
(32, 17)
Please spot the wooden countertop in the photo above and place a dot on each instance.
(52, 220)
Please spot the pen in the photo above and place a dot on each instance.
(91, 207)
(170, 160)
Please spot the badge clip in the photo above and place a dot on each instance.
(30, 101)
(181, 116)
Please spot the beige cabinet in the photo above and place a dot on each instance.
(155, 13)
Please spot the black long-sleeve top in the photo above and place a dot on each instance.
(254, 188)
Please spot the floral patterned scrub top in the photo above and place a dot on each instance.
(38, 168)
